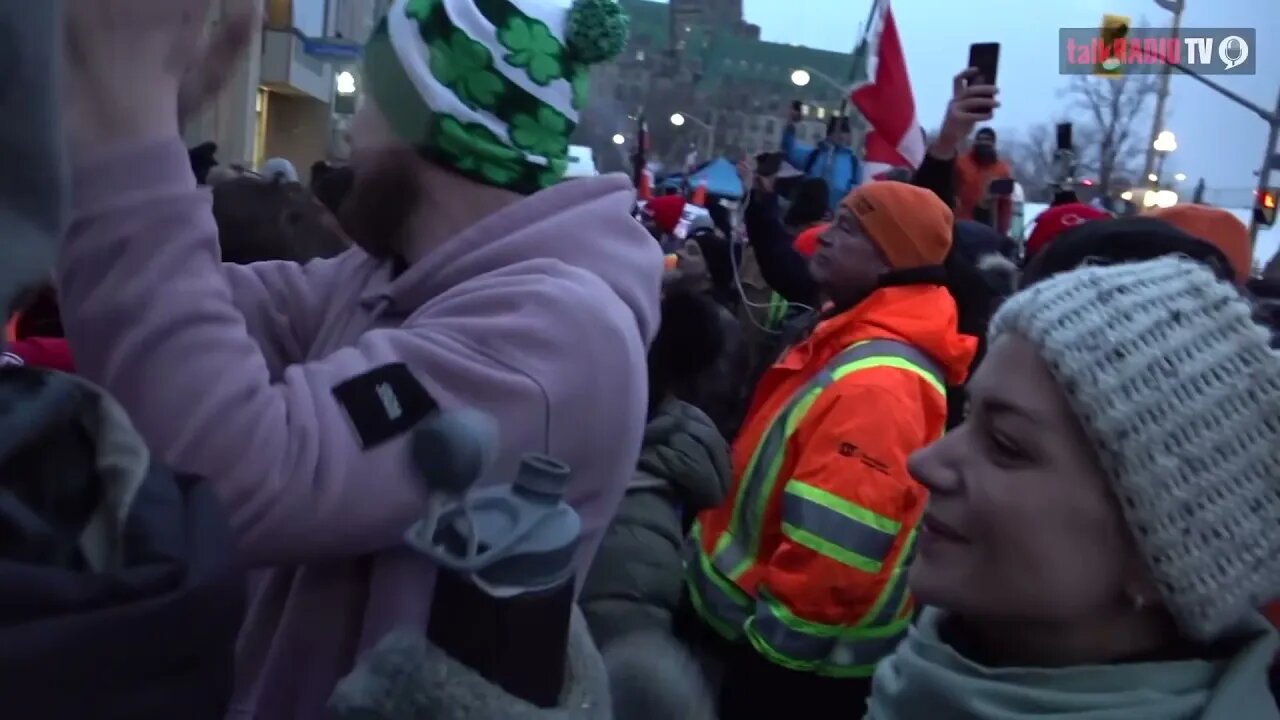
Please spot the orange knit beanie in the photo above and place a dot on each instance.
(910, 225)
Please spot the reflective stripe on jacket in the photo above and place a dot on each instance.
(807, 560)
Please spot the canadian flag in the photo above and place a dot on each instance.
(884, 97)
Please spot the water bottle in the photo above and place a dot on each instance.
(505, 554)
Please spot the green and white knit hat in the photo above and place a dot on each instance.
(491, 88)
(1178, 389)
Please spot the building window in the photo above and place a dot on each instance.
(822, 113)
(639, 56)
(769, 127)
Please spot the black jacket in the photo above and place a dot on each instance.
(784, 269)
(938, 176)
(119, 597)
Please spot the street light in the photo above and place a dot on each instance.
(1166, 198)
(679, 120)
(346, 83)
(1153, 177)
(1166, 142)
(800, 77)
(619, 139)
(1127, 196)
(1180, 177)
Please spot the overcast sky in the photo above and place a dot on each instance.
(1217, 139)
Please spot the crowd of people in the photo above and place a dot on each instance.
(848, 449)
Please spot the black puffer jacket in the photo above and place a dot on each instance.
(119, 597)
(635, 581)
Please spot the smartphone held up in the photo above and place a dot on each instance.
(985, 58)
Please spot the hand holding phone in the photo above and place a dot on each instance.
(985, 59)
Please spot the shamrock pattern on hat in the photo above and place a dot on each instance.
(475, 150)
(492, 88)
(545, 134)
(466, 67)
(533, 48)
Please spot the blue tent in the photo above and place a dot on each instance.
(720, 175)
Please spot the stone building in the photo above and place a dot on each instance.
(702, 59)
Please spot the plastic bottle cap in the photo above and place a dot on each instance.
(543, 476)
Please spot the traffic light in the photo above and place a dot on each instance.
(1109, 60)
(1264, 207)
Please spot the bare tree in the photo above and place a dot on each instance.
(1030, 156)
(1109, 114)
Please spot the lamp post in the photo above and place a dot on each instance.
(1165, 143)
(679, 120)
(619, 139)
(1162, 95)
(803, 77)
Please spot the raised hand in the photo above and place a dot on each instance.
(969, 105)
(131, 64)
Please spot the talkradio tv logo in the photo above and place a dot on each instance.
(1114, 48)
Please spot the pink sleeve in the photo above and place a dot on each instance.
(280, 304)
(154, 317)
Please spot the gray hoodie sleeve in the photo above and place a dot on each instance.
(33, 177)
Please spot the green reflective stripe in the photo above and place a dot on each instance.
(834, 651)
(757, 487)
(723, 605)
(890, 353)
(737, 549)
(834, 527)
(894, 596)
(778, 307)
(893, 363)
(714, 601)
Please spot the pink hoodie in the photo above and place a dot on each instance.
(539, 315)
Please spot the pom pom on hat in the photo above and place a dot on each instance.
(597, 30)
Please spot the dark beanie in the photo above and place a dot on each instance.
(1122, 240)
(986, 131)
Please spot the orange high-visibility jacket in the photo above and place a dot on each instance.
(806, 559)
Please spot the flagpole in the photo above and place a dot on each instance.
(871, 16)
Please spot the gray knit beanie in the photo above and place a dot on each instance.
(1179, 391)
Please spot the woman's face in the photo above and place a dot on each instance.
(1021, 522)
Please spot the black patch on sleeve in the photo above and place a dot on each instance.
(384, 402)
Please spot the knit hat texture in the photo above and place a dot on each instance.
(1056, 220)
(1217, 227)
(1178, 390)
(491, 88)
(910, 225)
